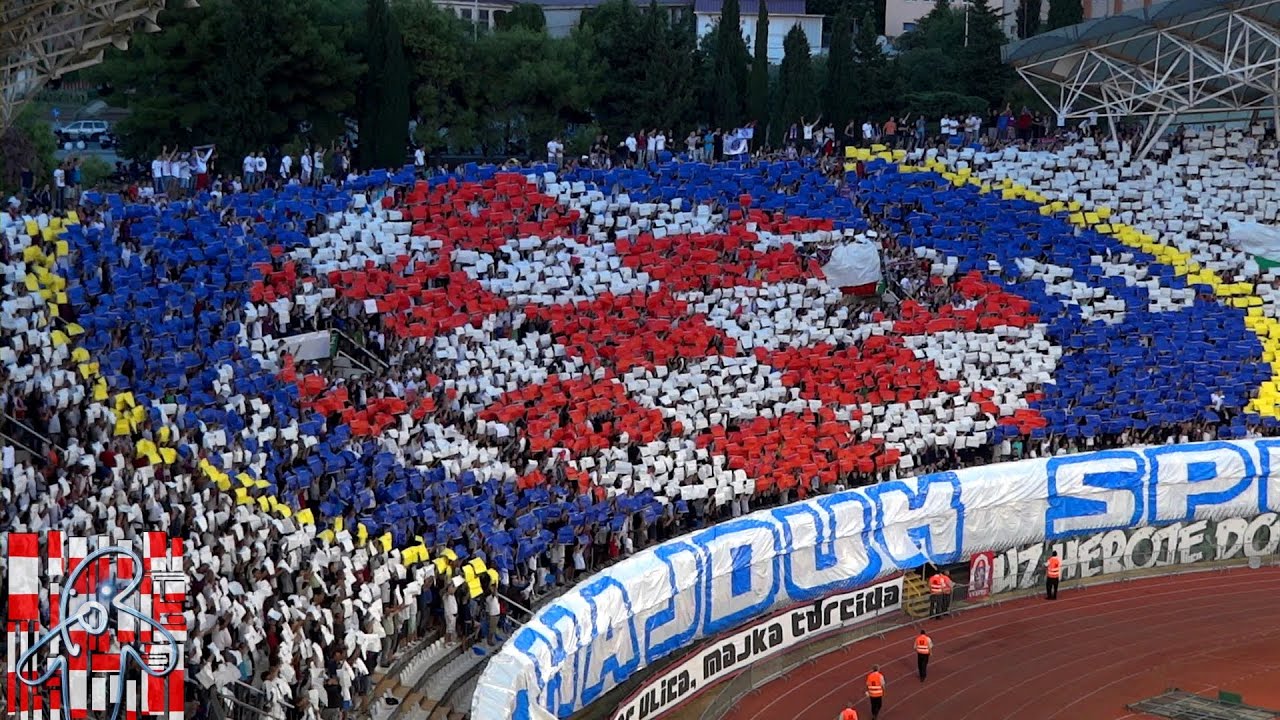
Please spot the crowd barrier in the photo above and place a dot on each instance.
(663, 600)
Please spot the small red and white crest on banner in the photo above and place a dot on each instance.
(980, 575)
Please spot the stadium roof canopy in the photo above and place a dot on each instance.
(1175, 58)
(42, 40)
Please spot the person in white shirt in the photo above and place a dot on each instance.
(317, 166)
(201, 169)
(809, 140)
(651, 146)
(182, 171)
(555, 152)
(450, 612)
(868, 132)
(304, 162)
(59, 188)
(661, 142)
(260, 168)
(286, 166)
(157, 172)
(632, 148)
(420, 161)
(248, 166)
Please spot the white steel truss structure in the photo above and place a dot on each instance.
(1172, 59)
(41, 40)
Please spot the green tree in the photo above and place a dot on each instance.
(843, 89)
(530, 91)
(1063, 13)
(641, 67)
(986, 76)
(384, 117)
(1027, 17)
(759, 93)
(797, 95)
(730, 68)
(243, 74)
(876, 86)
(523, 15)
(438, 49)
(28, 144)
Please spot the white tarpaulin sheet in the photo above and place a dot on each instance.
(308, 346)
(1256, 239)
(665, 598)
(853, 264)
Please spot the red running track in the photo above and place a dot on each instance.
(1084, 656)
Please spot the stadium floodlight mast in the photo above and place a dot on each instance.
(43, 40)
(1173, 59)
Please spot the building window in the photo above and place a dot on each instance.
(908, 27)
(466, 13)
(484, 17)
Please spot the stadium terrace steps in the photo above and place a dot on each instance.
(1179, 705)
(391, 682)
(438, 686)
(915, 595)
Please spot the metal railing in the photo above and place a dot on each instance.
(344, 344)
(10, 420)
(726, 695)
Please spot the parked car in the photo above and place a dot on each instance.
(86, 130)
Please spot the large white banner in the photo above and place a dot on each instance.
(758, 642)
(668, 597)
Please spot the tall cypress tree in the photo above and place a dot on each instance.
(730, 68)
(396, 111)
(1028, 18)
(838, 97)
(384, 117)
(1065, 12)
(796, 84)
(759, 104)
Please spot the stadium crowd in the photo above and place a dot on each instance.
(560, 370)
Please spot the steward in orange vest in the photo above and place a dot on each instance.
(1052, 574)
(875, 690)
(937, 591)
(848, 714)
(923, 647)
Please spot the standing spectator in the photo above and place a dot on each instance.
(248, 166)
(182, 169)
(260, 169)
(304, 163)
(650, 145)
(450, 612)
(810, 140)
(632, 148)
(59, 186)
(419, 162)
(1025, 125)
(286, 167)
(555, 152)
(27, 183)
(922, 129)
(890, 136)
(694, 145)
(203, 158)
(157, 171)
